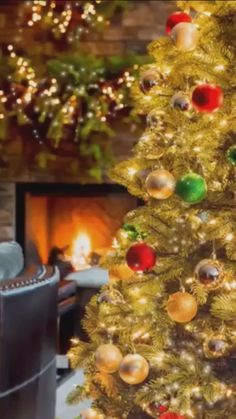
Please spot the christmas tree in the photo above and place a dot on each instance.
(162, 333)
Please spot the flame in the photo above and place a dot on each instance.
(81, 249)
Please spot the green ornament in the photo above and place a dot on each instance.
(133, 233)
(191, 188)
(231, 155)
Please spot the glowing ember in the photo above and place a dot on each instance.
(81, 249)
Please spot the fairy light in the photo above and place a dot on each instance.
(74, 341)
(220, 67)
(223, 123)
(229, 237)
(230, 285)
(132, 171)
(143, 300)
(213, 221)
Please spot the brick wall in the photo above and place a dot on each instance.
(7, 211)
(129, 32)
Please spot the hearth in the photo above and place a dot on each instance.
(79, 220)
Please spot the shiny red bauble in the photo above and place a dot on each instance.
(175, 18)
(170, 415)
(141, 257)
(207, 98)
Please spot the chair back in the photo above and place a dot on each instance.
(28, 338)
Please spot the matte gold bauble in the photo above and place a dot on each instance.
(108, 358)
(91, 414)
(134, 369)
(182, 307)
(209, 272)
(122, 272)
(185, 36)
(160, 184)
(216, 346)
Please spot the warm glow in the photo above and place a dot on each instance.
(81, 249)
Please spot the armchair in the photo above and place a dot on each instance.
(28, 338)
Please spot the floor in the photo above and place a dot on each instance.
(63, 411)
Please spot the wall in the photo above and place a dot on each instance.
(7, 211)
(129, 32)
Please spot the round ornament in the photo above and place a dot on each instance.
(149, 79)
(154, 119)
(207, 98)
(160, 184)
(209, 272)
(132, 232)
(180, 101)
(215, 346)
(156, 409)
(175, 18)
(110, 297)
(141, 257)
(134, 369)
(231, 155)
(108, 358)
(185, 36)
(91, 414)
(171, 415)
(181, 307)
(191, 188)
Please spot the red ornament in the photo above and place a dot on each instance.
(171, 415)
(207, 98)
(175, 18)
(163, 409)
(141, 257)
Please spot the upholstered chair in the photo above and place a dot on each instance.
(28, 338)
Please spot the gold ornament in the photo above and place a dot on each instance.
(181, 307)
(180, 101)
(91, 414)
(155, 120)
(108, 358)
(122, 272)
(149, 79)
(111, 297)
(160, 184)
(185, 36)
(134, 369)
(209, 272)
(216, 346)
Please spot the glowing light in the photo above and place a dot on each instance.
(220, 67)
(81, 249)
(132, 171)
(229, 237)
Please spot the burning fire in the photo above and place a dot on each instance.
(81, 249)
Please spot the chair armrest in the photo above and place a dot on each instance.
(32, 275)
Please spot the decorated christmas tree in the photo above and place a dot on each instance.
(162, 333)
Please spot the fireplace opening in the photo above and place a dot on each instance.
(76, 222)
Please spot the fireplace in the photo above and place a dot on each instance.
(80, 219)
